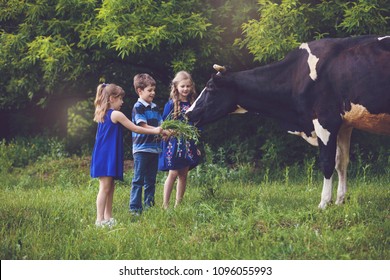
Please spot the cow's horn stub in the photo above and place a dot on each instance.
(219, 68)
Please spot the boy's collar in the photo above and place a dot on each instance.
(146, 104)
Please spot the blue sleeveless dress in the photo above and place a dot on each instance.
(107, 155)
(177, 153)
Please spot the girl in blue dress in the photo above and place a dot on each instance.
(107, 156)
(178, 155)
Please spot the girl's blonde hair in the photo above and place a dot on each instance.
(174, 95)
(102, 100)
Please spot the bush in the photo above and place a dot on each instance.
(20, 152)
(239, 140)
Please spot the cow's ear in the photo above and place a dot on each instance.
(217, 78)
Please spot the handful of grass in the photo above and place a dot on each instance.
(181, 129)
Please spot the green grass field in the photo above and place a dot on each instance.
(47, 211)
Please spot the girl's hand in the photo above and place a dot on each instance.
(159, 130)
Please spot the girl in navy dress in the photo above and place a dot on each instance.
(178, 155)
(107, 156)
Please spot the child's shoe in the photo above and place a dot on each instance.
(100, 224)
(106, 223)
(111, 222)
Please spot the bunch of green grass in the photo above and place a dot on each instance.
(181, 129)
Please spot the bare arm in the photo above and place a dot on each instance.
(165, 133)
(118, 116)
(145, 125)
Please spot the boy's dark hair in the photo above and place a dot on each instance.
(142, 81)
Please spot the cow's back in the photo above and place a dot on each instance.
(358, 71)
(354, 80)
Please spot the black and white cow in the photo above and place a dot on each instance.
(320, 91)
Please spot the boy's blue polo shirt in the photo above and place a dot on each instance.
(149, 114)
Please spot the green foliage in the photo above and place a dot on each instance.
(240, 140)
(369, 153)
(81, 128)
(38, 48)
(252, 139)
(66, 47)
(182, 130)
(133, 26)
(184, 60)
(46, 46)
(79, 118)
(365, 17)
(283, 25)
(22, 151)
(213, 174)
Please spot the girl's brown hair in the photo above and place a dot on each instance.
(174, 95)
(102, 100)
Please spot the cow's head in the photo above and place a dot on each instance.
(216, 100)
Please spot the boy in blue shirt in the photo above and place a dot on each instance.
(146, 148)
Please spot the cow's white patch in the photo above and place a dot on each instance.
(194, 104)
(321, 132)
(312, 60)
(326, 195)
(312, 140)
(384, 37)
(239, 110)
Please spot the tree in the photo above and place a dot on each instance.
(54, 50)
(51, 47)
(283, 25)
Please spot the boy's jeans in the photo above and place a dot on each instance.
(145, 172)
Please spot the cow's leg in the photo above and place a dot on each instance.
(327, 144)
(326, 195)
(327, 162)
(342, 161)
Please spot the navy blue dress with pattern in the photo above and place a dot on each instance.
(177, 153)
(107, 155)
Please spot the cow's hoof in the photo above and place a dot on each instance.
(322, 205)
(339, 201)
